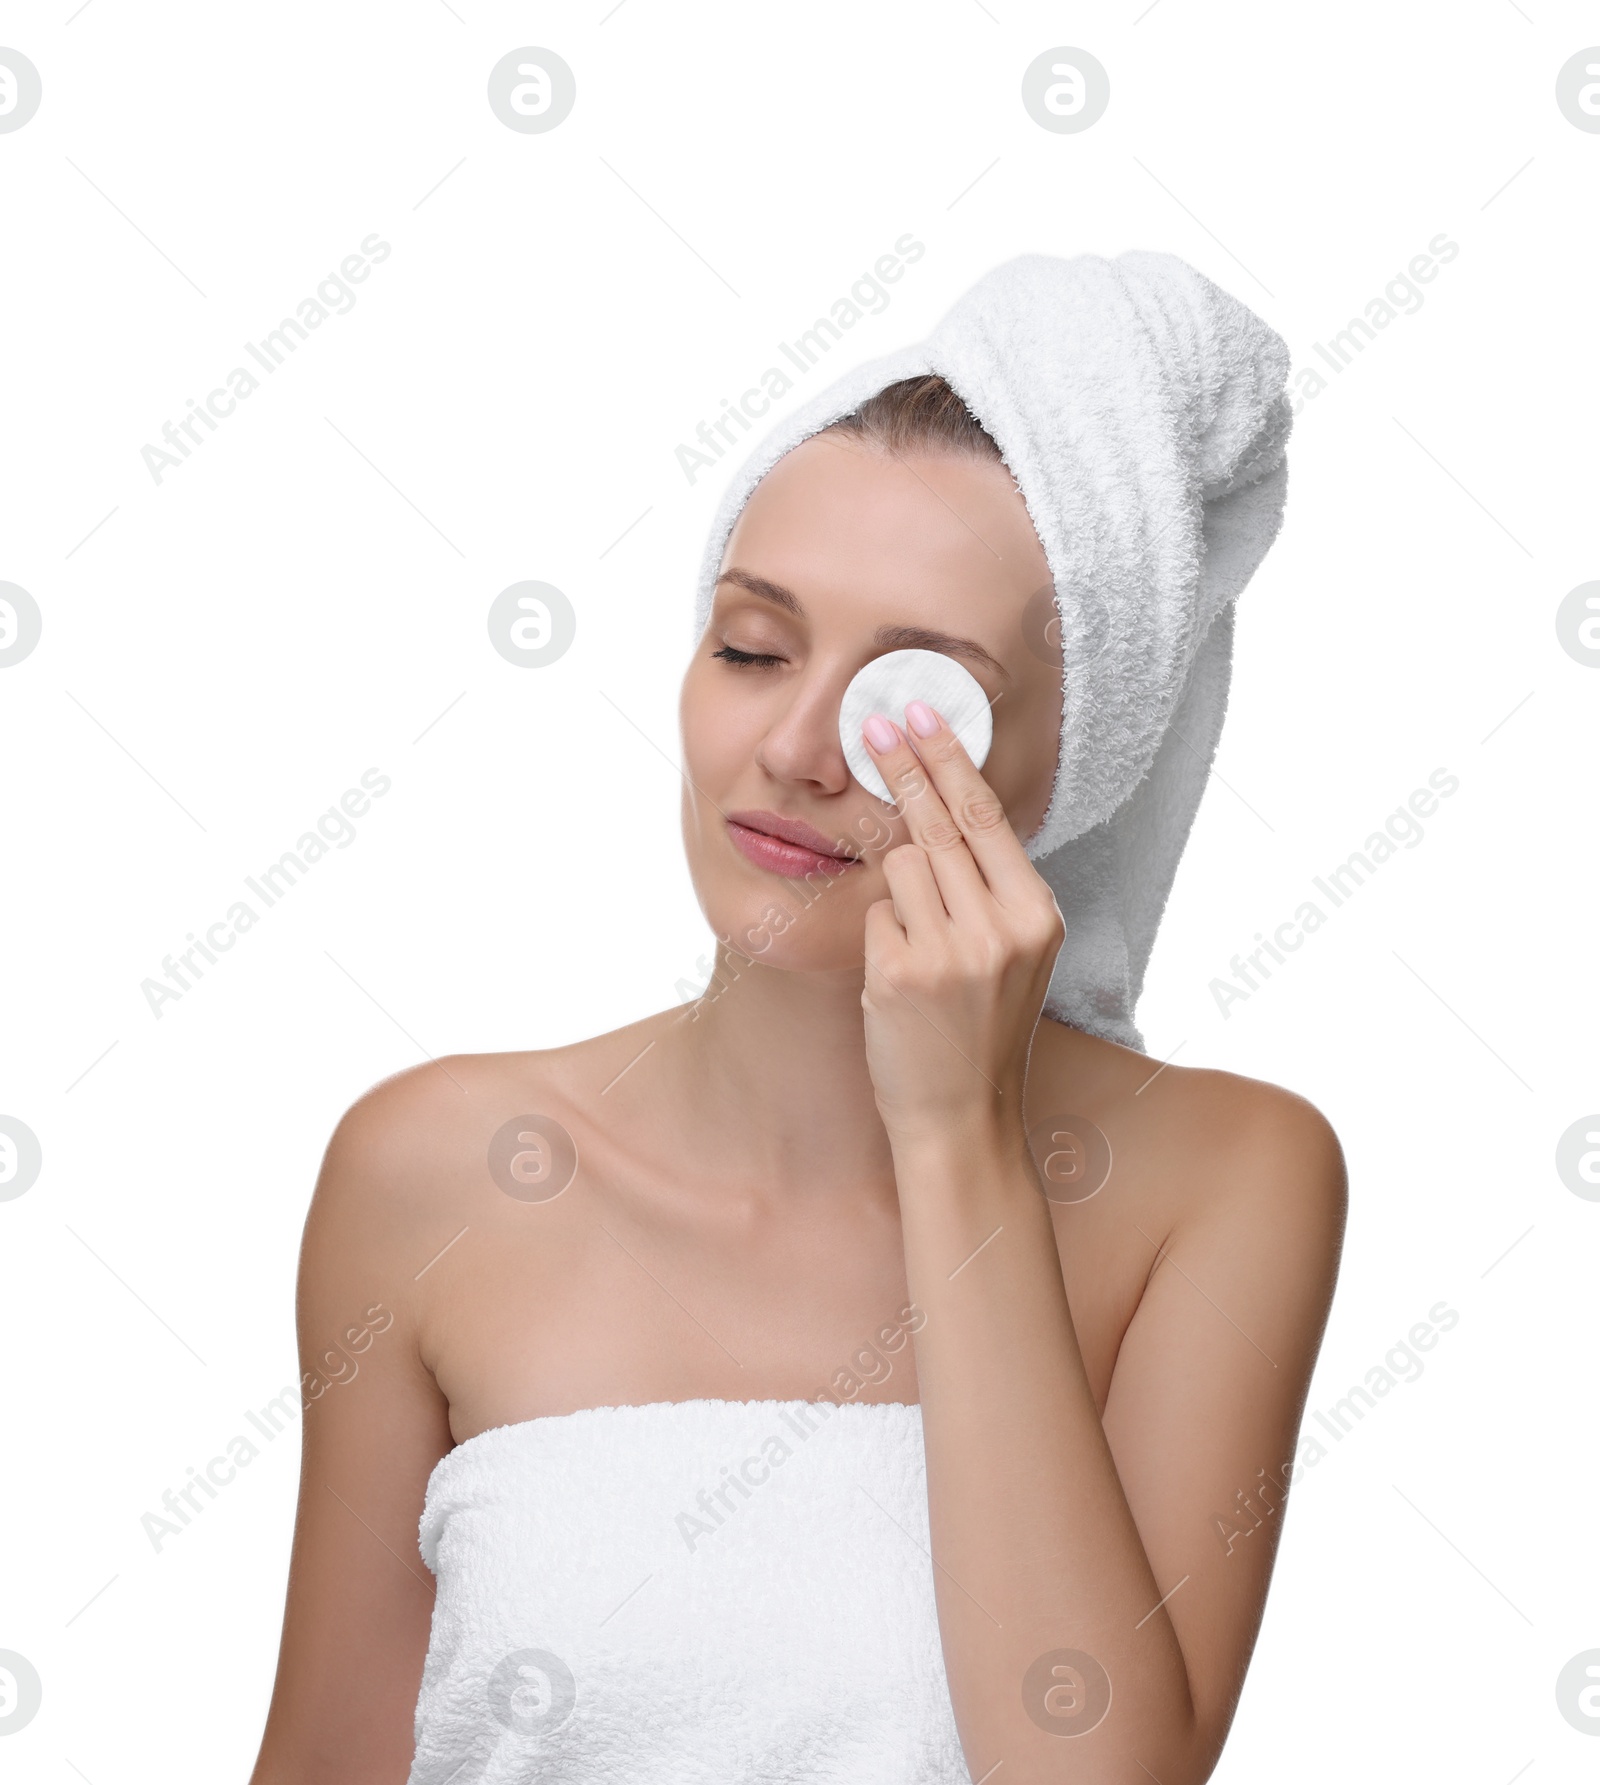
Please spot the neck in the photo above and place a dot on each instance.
(776, 1063)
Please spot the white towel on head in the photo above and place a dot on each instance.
(1143, 415)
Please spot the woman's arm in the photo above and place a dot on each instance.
(1089, 1635)
(1120, 1541)
(360, 1598)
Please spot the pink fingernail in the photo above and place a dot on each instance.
(881, 734)
(922, 719)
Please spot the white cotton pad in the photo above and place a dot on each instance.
(887, 683)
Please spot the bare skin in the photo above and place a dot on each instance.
(1097, 1387)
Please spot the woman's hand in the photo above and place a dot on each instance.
(959, 956)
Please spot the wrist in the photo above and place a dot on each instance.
(993, 1137)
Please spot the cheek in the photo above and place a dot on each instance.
(713, 730)
(1022, 771)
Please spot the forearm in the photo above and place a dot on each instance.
(1034, 1545)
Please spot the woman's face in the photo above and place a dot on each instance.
(841, 555)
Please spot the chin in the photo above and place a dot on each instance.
(798, 926)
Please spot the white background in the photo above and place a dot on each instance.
(226, 652)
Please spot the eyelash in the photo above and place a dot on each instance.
(741, 658)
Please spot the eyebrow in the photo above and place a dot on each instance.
(886, 638)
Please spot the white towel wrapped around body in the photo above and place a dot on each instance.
(686, 1593)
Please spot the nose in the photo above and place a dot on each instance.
(802, 742)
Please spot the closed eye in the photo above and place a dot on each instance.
(740, 658)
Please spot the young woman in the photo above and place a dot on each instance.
(973, 1450)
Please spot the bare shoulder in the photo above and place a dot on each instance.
(417, 1145)
(1271, 1195)
(1208, 1139)
(1257, 1134)
(405, 1144)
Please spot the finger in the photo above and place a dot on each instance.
(883, 946)
(972, 805)
(918, 903)
(929, 820)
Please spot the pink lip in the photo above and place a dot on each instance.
(786, 846)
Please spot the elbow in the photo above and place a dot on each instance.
(1185, 1752)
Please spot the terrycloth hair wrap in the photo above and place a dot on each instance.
(1142, 413)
